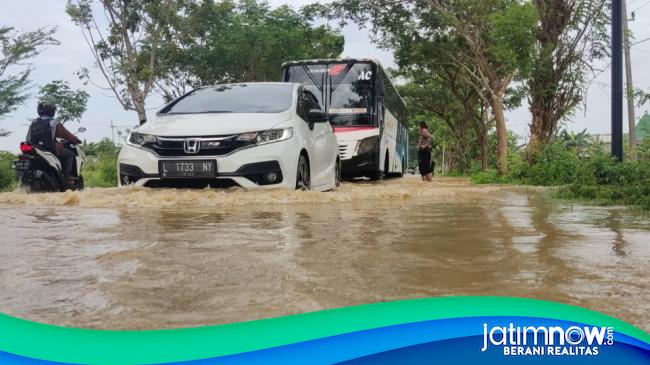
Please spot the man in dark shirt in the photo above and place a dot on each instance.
(424, 152)
(44, 131)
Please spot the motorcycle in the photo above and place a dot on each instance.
(39, 171)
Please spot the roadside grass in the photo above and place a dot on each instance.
(584, 174)
(101, 171)
(7, 174)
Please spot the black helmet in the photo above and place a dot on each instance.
(46, 109)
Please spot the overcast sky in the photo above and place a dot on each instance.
(61, 62)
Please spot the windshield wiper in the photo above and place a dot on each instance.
(312, 77)
(334, 84)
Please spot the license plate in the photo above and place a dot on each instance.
(20, 165)
(200, 168)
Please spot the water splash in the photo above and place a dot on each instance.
(132, 197)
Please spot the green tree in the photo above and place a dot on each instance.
(496, 39)
(579, 142)
(643, 128)
(125, 37)
(444, 98)
(499, 37)
(644, 150)
(7, 174)
(571, 34)
(104, 147)
(16, 49)
(101, 165)
(233, 41)
(71, 104)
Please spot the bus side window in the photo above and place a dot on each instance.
(380, 85)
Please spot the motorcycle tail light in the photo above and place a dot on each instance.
(25, 147)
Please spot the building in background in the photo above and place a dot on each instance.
(643, 127)
(642, 132)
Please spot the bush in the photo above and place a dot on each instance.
(101, 171)
(490, 176)
(589, 174)
(7, 174)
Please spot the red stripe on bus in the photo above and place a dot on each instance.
(352, 129)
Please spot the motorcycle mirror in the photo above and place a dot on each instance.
(81, 130)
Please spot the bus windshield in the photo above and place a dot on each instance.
(346, 86)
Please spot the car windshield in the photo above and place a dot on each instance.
(237, 98)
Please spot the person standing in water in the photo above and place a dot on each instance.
(424, 152)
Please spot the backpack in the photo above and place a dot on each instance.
(40, 134)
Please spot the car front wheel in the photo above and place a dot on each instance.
(303, 178)
(337, 174)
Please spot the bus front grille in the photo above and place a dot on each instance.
(346, 150)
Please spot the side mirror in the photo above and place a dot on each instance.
(317, 116)
(81, 130)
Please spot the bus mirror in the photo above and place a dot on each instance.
(317, 116)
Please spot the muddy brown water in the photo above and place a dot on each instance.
(142, 259)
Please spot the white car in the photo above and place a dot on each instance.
(247, 134)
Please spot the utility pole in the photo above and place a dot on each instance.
(120, 128)
(617, 80)
(631, 120)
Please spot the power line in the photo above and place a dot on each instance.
(600, 72)
(641, 6)
(642, 28)
(641, 41)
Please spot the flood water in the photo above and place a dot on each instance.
(142, 259)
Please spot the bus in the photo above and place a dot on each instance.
(364, 108)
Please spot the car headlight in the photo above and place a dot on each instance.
(268, 136)
(366, 145)
(140, 139)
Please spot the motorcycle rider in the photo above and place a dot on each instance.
(43, 133)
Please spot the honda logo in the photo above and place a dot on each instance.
(192, 146)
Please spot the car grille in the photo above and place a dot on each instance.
(346, 150)
(209, 146)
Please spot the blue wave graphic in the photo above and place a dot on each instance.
(444, 341)
(466, 332)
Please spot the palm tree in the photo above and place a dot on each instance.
(579, 141)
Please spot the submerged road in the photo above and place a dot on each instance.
(142, 259)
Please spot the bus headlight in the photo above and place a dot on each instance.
(366, 145)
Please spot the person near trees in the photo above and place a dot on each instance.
(424, 152)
